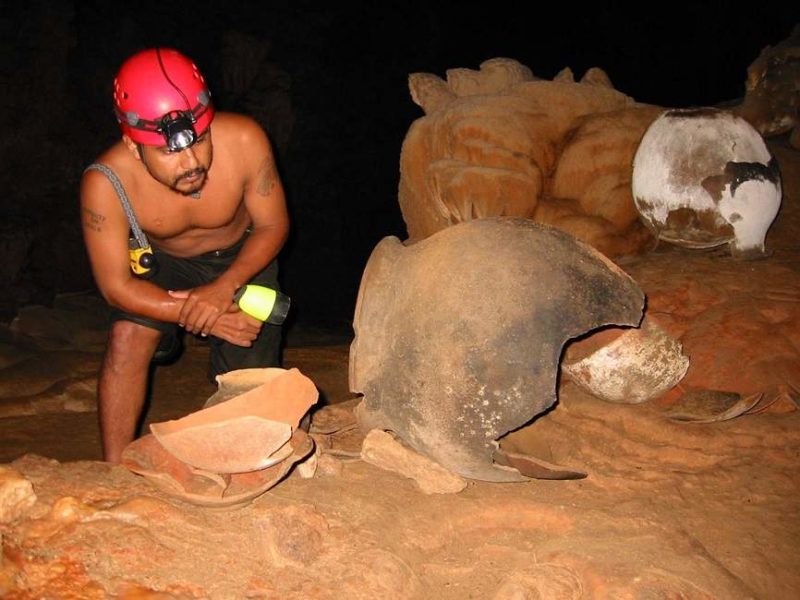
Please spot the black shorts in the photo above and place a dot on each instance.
(185, 273)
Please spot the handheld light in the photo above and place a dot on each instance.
(263, 303)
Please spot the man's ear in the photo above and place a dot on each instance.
(132, 146)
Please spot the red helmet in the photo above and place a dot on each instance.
(161, 97)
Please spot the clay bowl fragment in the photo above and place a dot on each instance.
(637, 366)
(710, 406)
(242, 432)
(148, 458)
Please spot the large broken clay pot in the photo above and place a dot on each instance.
(704, 177)
(246, 422)
(458, 337)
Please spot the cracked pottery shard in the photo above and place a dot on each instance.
(252, 416)
(458, 337)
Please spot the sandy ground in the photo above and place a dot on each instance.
(669, 509)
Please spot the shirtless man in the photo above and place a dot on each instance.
(210, 202)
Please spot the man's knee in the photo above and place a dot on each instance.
(130, 342)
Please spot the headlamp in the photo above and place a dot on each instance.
(177, 127)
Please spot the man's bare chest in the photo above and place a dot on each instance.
(166, 215)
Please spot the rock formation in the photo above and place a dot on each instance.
(500, 142)
(772, 90)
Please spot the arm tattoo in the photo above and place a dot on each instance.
(266, 177)
(93, 220)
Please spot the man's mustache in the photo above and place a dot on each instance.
(191, 173)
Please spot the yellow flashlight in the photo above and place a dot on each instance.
(263, 303)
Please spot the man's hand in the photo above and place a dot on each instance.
(204, 305)
(237, 328)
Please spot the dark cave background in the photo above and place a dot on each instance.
(330, 87)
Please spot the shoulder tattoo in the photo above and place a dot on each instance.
(267, 176)
(93, 220)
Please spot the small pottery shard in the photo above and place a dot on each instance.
(333, 418)
(780, 399)
(233, 445)
(148, 458)
(534, 467)
(710, 406)
(639, 365)
(258, 411)
(292, 406)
